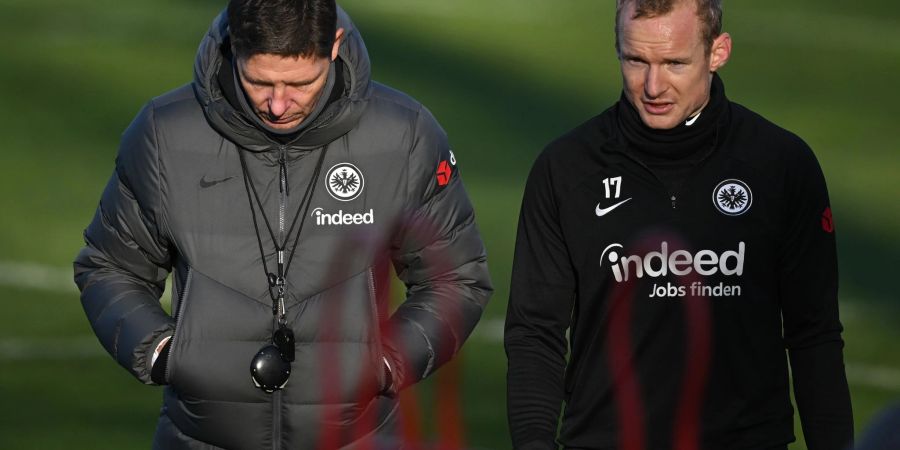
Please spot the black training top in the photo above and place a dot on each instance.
(675, 258)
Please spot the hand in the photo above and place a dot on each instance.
(388, 378)
(160, 361)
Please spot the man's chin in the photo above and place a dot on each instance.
(660, 122)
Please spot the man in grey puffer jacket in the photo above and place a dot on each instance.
(279, 187)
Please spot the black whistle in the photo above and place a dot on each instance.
(283, 338)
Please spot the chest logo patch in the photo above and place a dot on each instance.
(344, 182)
(732, 197)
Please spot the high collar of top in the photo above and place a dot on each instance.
(680, 142)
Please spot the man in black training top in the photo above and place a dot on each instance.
(684, 242)
(279, 187)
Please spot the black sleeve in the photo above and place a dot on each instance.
(812, 329)
(542, 294)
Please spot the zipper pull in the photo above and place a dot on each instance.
(673, 202)
(282, 287)
(278, 282)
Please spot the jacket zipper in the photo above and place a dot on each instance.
(702, 161)
(276, 427)
(283, 189)
(672, 197)
(178, 316)
(282, 206)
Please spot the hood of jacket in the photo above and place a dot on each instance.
(335, 120)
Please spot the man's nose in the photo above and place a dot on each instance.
(654, 83)
(278, 102)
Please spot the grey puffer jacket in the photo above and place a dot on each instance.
(177, 202)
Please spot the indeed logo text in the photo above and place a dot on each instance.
(680, 262)
(342, 218)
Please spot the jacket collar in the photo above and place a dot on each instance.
(336, 117)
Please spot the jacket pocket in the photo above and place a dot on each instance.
(339, 352)
(179, 315)
(218, 331)
(379, 354)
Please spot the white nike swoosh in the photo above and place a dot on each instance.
(693, 119)
(604, 211)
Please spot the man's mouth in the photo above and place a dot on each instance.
(658, 108)
(281, 119)
(284, 120)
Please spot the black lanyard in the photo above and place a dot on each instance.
(276, 281)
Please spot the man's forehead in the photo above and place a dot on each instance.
(270, 70)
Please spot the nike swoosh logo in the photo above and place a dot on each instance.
(693, 119)
(604, 211)
(205, 184)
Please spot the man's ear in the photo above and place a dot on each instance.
(338, 38)
(720, 52)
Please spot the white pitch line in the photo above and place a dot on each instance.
(37, 276)
(490, 330)
(40, 277)
(886, 378)
(50, 349)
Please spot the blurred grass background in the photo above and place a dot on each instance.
(504, 77)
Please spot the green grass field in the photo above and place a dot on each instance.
(504, 77)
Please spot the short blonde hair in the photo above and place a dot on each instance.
(709, 12)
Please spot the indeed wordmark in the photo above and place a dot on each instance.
(679, 263)
(342, 218)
